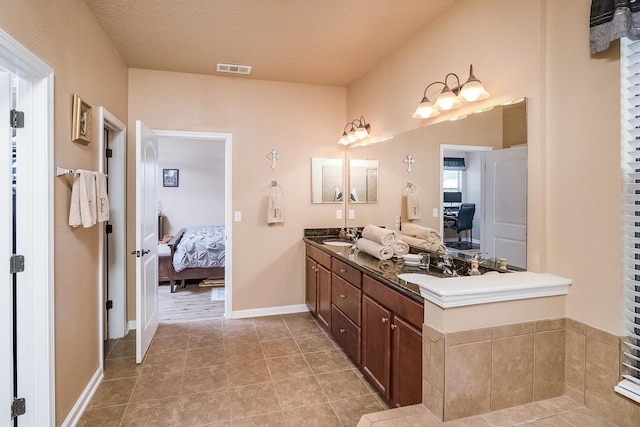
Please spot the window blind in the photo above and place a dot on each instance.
(629, 385)
(453, 163)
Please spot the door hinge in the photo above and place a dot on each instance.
(18, 407)
(16, 119)
(108, 229)
(16, 264)
(109, 304)
(108, 153)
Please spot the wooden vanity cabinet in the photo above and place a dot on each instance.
(346, 302)
(318, 284)
(392, 342)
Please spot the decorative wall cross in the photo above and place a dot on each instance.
(409, 161)
(273, 156)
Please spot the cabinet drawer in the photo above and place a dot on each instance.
(348, 273)
(346, 297)
(321, 258)
(410, 310)
(346, 334)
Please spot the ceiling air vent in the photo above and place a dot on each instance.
(234, 69)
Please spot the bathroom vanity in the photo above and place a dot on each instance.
(442, 341)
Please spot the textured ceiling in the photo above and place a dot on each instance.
(327, 42)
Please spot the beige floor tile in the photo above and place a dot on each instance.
(253, 400)
(205, 326)
(349, 411)
(296, 317)
(231, 324)
(157, 413)
(342, 384)
(202, 357)
(161, 345)
(552, 421)
(327, 361)
(164, 362)
(121, 368)
(466, 422)
(280, 347)
(559, 404)
(313, 343)
(300, 391)
(274, 419)
(205, 339)
(172, 329)
(243, 352)
(288, 367)
(123, 349)
(157, 386)
(584, 417)
(240, 336)
(202, 408)
(268, 321)
(110, 416)
(303, 327)
(273, 332)
(518, 414)
(245, 373)
(312, 416)
(204, 379)
(113, 392)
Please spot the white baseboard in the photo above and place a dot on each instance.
(270, 311)
(131, 326)
(81, 404)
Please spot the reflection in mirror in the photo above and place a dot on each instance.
(326, 180)
(501, 129)
(363, 181)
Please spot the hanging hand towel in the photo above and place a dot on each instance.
(380, 235)
(375, 249)
(102, 197)
(82, 209)
(413, 207)
(275, 206)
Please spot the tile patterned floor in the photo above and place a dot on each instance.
(269, 371)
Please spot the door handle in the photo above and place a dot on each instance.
(139, 254)
(144, 252)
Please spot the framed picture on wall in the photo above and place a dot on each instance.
(170, 177)
(81, 125)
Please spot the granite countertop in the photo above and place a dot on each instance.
(383, 270)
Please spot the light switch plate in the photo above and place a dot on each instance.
(338, 213)
(352, 214)
(435, 212)
(237, 216)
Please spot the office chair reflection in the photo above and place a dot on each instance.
(462, 222)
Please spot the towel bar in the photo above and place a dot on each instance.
(64, 171)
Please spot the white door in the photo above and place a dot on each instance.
(6, 249)
(146, 251)
(505, 234)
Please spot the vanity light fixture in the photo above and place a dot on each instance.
(451, 97)
(357, 129)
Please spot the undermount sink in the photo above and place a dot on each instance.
(337, 243)
(417, 278)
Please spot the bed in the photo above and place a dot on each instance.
(196, 253)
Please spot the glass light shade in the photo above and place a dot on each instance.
(447, 100)
(425, 110)
(361, 132)
(473, 91)
(344, 139)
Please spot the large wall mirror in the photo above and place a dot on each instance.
(500, 130)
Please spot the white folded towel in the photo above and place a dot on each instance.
(275, 206)
(400, 248)
(375, 249)
(421, 232)
(380, 235)
(102, 197)
(82, 209)
(413, 207)
(423, 244)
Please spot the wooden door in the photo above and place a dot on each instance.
(324, 296)
(376, 343)
(406, 363)
(146, 250)
(311, 284)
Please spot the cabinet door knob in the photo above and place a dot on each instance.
(342, 270)
(385, 319)
(342, 330)
(343, 296)
(393, 326)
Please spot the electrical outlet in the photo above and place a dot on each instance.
(352, 214)
(237, 216)
(435, 212)
(338, 213)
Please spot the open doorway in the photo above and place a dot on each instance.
(192, 204)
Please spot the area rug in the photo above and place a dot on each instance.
(217, 294)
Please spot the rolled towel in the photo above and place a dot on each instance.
(400, 248)
(386, 266)
(421, 232)
(423, 244)
(380, 235)
(375, 249)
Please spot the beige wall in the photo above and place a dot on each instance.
(542, 52)
(299, 121)
(67, 37)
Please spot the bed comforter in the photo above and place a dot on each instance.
(200, 247)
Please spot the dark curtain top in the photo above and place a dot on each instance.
(611, 20)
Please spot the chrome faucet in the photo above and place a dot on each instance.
(447, 266)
